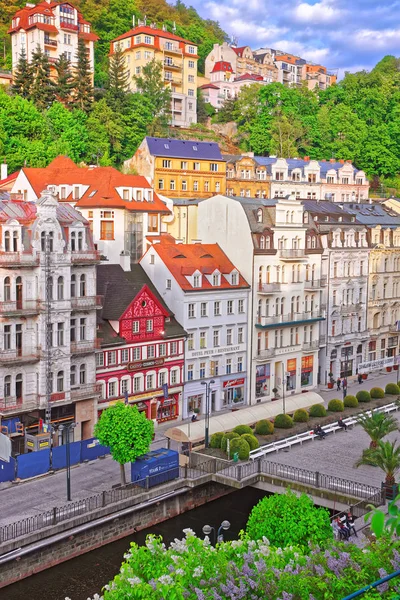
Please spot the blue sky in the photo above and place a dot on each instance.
(346, 35)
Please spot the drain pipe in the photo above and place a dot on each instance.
(369, 587)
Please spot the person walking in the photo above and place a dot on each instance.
(344, 386)
(360, 379)
(338, 382)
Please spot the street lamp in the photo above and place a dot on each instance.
(207, 419)
(207, 529)
(68, 428)
(346, 358)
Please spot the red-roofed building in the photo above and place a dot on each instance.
(209, 297)
(121, 209)
(55, 27)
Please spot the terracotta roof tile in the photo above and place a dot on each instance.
(222, 65)
(151, 31)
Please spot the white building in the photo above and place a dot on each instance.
(280, 256)
(25, 230)
(209, 297)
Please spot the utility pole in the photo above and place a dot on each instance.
(49, 332)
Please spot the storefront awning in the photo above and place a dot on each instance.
(194, 432)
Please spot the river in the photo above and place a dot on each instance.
(80, 578)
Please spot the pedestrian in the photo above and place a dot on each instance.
(350, 523)
(338, 382)
(344, 385)
(341, 423)
(360, 379)
(319, 432)
(343, 530)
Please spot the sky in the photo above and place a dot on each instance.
(348, 35)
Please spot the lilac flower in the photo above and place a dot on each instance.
(384, 586)
(395, 562)
(319, 569)
(259, 565)
(200, 595)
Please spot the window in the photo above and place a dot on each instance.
(149, 325)
(215, 280)
(60, 334)
(241, 306)
(124, 355)
(7, 386)
(195, 186)
(135, 326)
(203, 309)
(151, 351)
(214, 167)
(137, 354)
(124, 386)
(168, 284)
(147, 39)
(174, 376)
(228, 366)
(82, 374)
(191, 78)
(149, 382)
(60, 381)
(190, 372)
(191, 50)
(190, 341)
(60, 288)
(196, 166)
(202, 370)
(196, 281)
(106, 230)
(191, 311)
(137, 55)
(230, 307)
(162, 350)
(147, 55)
(112, 389)
(217, 309)
(259, 215)
(112, 358)
(162, 377)
(203, 341)
(174, 347)
(82, 285)
(161, 184)
(206, 186)
(7, 289)
(216, 338)
(137, 70)
(240, 364)
(166, 164)
(82, 328)
(72, 375)
(217, 186)
(184, 164)
(100, 359)
(229, 337)
(172, 184)
(190, 92)
(137, 383)
(184, 186)
(240, 335)
(153, 223)
(7, 337)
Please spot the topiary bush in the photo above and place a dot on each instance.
(283, 422)
(363, 396)
(350, 401)
(228, 436)
(264, 427)
(377, 393)
(335, 405)
(216, 439)
(286, 520)
(301, 416)
(241, 446)
(251, 440)
(317, 410)
(392, 389)
(241, 429)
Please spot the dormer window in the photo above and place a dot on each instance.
(234, 278)
(125, 194)
(259, 215)
(215, 280)
(196, 281)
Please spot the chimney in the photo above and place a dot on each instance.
(341, 161)
(125, 261)
(332, 160)
(348, 161)
(306, 158)
(3, 170)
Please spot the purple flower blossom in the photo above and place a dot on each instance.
(319, 569)
(384, 586)
(395, 562)
(200, 595)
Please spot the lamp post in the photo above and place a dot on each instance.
(346, 358)
(207, 419)
(68, 428)
(207, 529)
(283, 388)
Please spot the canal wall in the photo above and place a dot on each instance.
(19, 563)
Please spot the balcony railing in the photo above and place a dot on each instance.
(86, 302)
(11, 404)
(57, 397)
(52, 59)
(172, 49)
(394, 329)
(89, 390)
(49, 42)
(292, 254)
(9, 357)
(291, 318)
(313, 345)
(267, 353)
(84, 346)
(312, 284)
(88, 256)
(172, 65)
(12, 307)
(349, 308)
(18, 259)
(269, 288)
(68, 25)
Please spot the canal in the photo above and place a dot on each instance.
(80, 578)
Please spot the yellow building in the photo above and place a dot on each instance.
(246, 177)
(182, 222)
(179, 60)
(180, 168)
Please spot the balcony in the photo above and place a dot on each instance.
(57, 397)
(52, 59)
(289, 319)
(269, 288)
(172, 65)
(12, 404)
(292, 254)
(16, 357)
(324, 281)
(84, 346)
(271, 352)
(268, 353)
(86, 302)
(12, 308)
(70, 26)
(394, 329)
(346, 309)
(171, 49)
(85, 392)
(49, 42)
(313, 345)
(313, 284)
(84, 258)
(18, 259)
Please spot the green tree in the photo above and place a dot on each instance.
(23, 77)
(136, 121)
(64, 84)
(118, 81)
(151, 85)
(385, 456)
(286, 135)
(377, 425)
(42, 89)
(82, 80)
(105, 135)
(286, 519)
(204, 109)
(126, 431)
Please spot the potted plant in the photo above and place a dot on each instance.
(364, 375)
(196, 411)
(388, 369)
(331, 381)
(275, 392)
(395, 367)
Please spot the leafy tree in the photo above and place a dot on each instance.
(227, 112)
(136, 122)
(105, 134)
(42, 89)
(126, 431)
(23, 77)
(285, 136)
(377, 426)
(82, 80)
(118, 81)
(204, 109)
(151, 85)
(386, 456)
(286, 519)
(64, 84)
(383, 523)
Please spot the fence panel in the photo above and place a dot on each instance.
(33, 464)
(7, 470)
(92, 449)
(59, 458)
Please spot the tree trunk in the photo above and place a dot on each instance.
(123, 477)
(390, 480)
(373, 444)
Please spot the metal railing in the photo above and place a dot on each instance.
(291, 317)
(86, 302)
(85, 256)
(86, 391)
(12, 306)
(84, 346)
(16, 259)
(292, 253)
(312, 284)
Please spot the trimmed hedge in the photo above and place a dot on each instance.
(251, 440)
(283, 422)
(241, 446)
(228, 436)
(336, 405)
(363, 396)
(377, 393)
(241, 429)
(350, 401)
(392, 389)
(317, 410)
(300, 415)
(216, 439)
(264, 427)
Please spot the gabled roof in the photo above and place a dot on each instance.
(152, 31)
(172, 148)
(239, 51)
(208, 85)
(222, 65)
(251, 76)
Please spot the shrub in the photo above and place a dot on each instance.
(350, 401)
(377, 393)
(241, 429)
(283, 422)
(251, 440)
(228, 436)
(241, 446)
(285, 520)
(363, 396)
(392, 389)
(264, 427)
(301, 416)
(335, 405)
(216, 439)
(317, 410)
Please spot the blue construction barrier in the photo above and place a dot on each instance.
(92, 449)
(59, 457)
(7, 470)
(32, 464)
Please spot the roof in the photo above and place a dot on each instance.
(208, 85)
(373, 214)
(239, 51)
(152, 31)
(184, 260)
(25, 212)
(222, 65)
(252, 76)
(44, 8)
(172, 148)
(252, 205)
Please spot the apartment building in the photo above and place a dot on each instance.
(281, 256)
(55, 27)
(122, 210)
(48, 306)
(141, 354)
(241, 61)
(246, 177)
(209, 296)
(179, 61)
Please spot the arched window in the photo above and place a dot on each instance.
(259, 215)
(292, 217)
(7, 386)
(292, 304)
(282, 306)
(298, 272)
(15, 241)
(82, 287)
(308, 242)
(60, 381)
(72, 376)
(18, 291)
(43, 241)
(50, 288)
(376, 319)
(7, 245)
(278, 274)
(267, 242)
(298, 304)
(7, 289)
(287, 216)
(283, 273)
(277, 306)
(267, 307)
(268, 274)
(262, 242)
(307, 272)
(73, 241)
(313, 270)
(60, 288)
(80, 240)
(18, 386)
(82, 374)
(259, 308)
(51, 241)
(73, 286)
(313, 242)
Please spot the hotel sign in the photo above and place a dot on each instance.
(214, 351)
(145, 364)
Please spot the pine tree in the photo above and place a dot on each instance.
(64, 83)
(23, 77)
(118, 81)
(82, 80)
(42, 90)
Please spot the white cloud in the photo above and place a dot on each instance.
(321, 12)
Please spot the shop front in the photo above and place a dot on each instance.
(307, 370)
(291, 374)
(263, 380)
(233, 392)
(168, 408)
